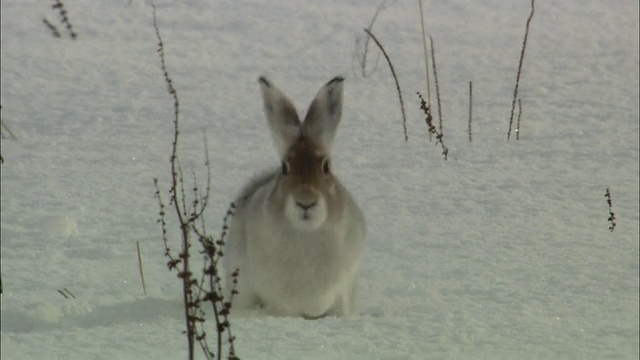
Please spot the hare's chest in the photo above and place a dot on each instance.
(283, 247)
(307, 271)
(295, 256)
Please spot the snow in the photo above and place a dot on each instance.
(503, 251)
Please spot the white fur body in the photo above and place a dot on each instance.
(296, 239)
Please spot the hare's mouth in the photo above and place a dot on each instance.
(305, 214)
(307, 218)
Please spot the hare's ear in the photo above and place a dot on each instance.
(281, 116)
(325, 113)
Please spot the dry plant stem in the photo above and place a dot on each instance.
(515, 89)
(435, 78)
(64, 19)
(518, 122)
(224, 313)
(52, 28)
(144, 287)
(66, 293)
(432, 129)
(470, 107)
(226, 305)
(201, 200)
(185, 274)
(9, 131)
(362, 57)
(426, 59)
(612, 216)
(221, 308)
(7, 128)
(190, 215)
(395, 77)
(69, 292)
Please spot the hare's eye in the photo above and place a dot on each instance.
(326, 166)
(285, 168)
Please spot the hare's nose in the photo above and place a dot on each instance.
(306, 206)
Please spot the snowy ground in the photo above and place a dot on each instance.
(503, 251)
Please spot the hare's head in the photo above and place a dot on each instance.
(306, 191)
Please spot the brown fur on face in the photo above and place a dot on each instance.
(305, 160)
(305, 179)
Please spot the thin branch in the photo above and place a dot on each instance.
(144, 287)
(470, 107)
(395, 77)
(426, 57)
(201, 200)
(8, 130)
(515, 90)
(432, 129)
(69, 292)
(518, 121)
(64, 19)
(435, 77)
(185, 274)
(4, 125)
(612, 216)
(361, 55)
(54, 30)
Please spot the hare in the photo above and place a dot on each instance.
(297, 235)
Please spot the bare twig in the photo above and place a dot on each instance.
(69, 292)
(66, 293)
(220, 306)
(64, 19)
(144, 287)
(4, 126)
(361, 55)
(395, 77)
(190, 216)
(515, 89)
(432, 129)
(470, 107)
(612, 216)
(426, 58)
(518, 122)
(184, 274)
(8, 130)
(54, 30)
(435, 77)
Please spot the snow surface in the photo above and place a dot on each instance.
(503, 251)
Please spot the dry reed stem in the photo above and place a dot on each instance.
(432, 129)
(435, 78)
(176, 177)
(612, 216)
(515, 90)
(144, 287)
(54, 30)
(395, 77)
(4, 125)
(518, 121)
(426, 57)
(64, 19)
(362, 56)
(470, 108)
